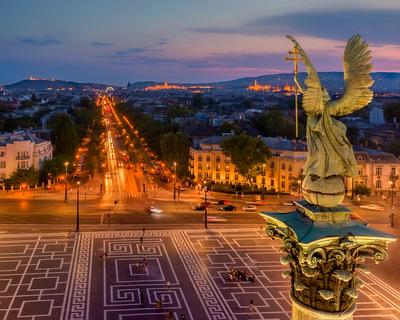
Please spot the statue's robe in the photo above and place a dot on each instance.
(329, 151)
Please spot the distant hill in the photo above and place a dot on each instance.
(35, 85)
(333, 81)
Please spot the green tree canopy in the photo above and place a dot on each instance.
(65, 135)
(29, 176)
(393, 147)
(392, 110)
(274, 123)
(197, 101)
(175, 148)
(362, 190)
(247, 153)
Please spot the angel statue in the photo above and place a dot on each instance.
(330, 154)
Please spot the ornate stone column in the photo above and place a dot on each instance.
(325, 251)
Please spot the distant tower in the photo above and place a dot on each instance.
(128, 86)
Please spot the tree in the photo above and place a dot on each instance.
(393, 147)
(177, 111)
(197, 101)
(391, 110)
(247, 153)
(362, 190)
(29, 176)
(175, 148)
(274, 123)
(65, 134)
(26, 104)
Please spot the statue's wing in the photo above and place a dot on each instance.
(313, 95)
(357, 68)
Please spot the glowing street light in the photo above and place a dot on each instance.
(77, 206)
(174, 180)
(66, 180)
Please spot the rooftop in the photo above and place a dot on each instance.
(21, 135)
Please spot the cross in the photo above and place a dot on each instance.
(294, 56)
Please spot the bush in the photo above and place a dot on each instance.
(362, 190)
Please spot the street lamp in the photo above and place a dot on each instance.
(205, 205)
(174, 180)
(77, 206)
(392, 203)
(66, 180)
(299, 185)
(263, 182)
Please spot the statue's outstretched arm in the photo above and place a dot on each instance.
(313, 94)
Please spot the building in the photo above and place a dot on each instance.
(22, 150)
(376, 116)
(207, 162)
(377, 170)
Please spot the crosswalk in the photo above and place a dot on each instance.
(123, 195)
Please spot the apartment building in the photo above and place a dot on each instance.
(207, 162)
(377, 170)
(22, 150)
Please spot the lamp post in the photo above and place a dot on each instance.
(66, 180)
(263, 182)
(299, 186)
(205, 206)
(391, 203)
(174, 180)
(77, 206)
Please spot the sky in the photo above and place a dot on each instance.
(118, 41)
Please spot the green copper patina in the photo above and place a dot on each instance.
(330, 154)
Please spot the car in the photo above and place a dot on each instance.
(257, 203)
(228, 208)
(372, 207)
(249, 207)
(215, 219)
(199, 207)
(289, 203)
(152, 209)
(218, 201)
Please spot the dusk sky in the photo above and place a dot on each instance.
(185, 40)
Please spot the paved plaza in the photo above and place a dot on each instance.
(63, 276)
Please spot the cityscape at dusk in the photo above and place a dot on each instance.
(199, 160)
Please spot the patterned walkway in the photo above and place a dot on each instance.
(62, 276)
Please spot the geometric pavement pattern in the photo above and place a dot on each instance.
(60, 276)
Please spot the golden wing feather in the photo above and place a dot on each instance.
(313, 95)
(357, 68)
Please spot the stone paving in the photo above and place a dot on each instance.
(60, 276)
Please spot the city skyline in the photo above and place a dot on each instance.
(185, 41)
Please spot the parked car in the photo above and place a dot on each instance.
(372, 207)
(249, 207)
(228, 208)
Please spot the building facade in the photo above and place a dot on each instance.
(377, 170)
(208, 163)
(22, 150)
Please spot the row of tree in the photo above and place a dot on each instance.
(68, 131)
